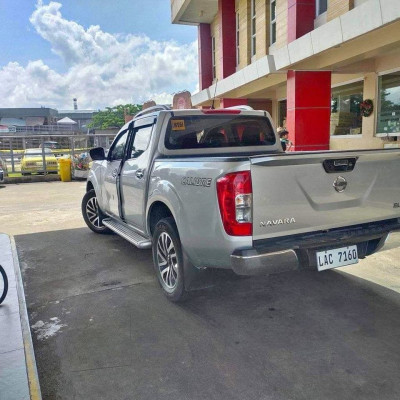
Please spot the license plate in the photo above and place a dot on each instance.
(337, 257)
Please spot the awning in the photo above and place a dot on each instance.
(67, 121)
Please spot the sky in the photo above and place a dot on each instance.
(102, 52)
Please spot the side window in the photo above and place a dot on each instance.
(141, 141)
(117, 152)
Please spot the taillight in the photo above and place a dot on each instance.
(234, 193)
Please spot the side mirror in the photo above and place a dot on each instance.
(97, 154)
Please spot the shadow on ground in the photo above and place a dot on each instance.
(104, 330)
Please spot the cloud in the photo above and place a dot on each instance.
(103, 69)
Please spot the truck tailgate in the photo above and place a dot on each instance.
(305, 192)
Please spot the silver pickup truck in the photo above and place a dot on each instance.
(213, 189)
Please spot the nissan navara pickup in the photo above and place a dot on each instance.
(214, 189)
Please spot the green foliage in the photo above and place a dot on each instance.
(113, 116)
(386, 105)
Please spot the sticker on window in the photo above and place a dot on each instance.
(178, 124)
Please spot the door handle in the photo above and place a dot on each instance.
(114, 173)
(139, 173)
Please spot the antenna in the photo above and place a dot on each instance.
(215, 91)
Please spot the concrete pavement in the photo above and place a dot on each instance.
(102, 329)
(18, 373)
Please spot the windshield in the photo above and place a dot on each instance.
(214, 131)
(53, 145)
(37, 152)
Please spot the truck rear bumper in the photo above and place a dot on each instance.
(299, 251)
(251, 262)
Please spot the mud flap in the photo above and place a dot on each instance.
(196, 278)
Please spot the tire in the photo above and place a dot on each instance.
(5, 284)
(92, 214)
(168, 260)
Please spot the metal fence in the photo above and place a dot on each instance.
(37, 129)
(38, 154)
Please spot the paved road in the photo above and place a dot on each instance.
(102, 329)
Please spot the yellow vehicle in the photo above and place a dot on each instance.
(32, 161)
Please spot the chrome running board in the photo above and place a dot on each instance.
(131, 236)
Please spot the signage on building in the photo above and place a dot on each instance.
(182, 100)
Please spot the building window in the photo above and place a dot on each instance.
(389, 104)
(272, 22)
(214, 66)
(321, 6)
(282, 112)
(345, 109)
(253, 27)
(237, 40)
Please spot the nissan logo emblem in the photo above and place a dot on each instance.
(340, 184)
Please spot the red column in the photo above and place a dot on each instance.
(227, 50)
(205, 56)
(309, 109)
(301, 15)
(224, 103)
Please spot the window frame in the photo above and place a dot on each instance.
(272, 22)
(237, 39)
(349, 82)
(279, 101)
(378, 104)
(318, 11)
(253, 29)
(132, 141)
(127, 131)
(228, 122)
(213, 58)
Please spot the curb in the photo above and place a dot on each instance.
(32, 178)
(33, 378)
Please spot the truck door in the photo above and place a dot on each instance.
(111, 178)
(134, 174)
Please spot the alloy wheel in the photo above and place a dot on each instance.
(92, 212)
(167, 260)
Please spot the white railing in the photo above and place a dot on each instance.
(47, 128)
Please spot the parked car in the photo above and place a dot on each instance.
(32, 161)
(3, 169)
(50, 145)
(213, 188)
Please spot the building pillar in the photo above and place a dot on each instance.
(301, 15)
(227, 43)
(205, 56)
(309, 109)
(224, 103)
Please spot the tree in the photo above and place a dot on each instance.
(114, 116)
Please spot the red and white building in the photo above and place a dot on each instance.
(310, 63)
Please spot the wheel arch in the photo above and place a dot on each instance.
(89, 186)
(157, 210)
(93, 184)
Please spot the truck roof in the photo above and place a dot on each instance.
(155, 111)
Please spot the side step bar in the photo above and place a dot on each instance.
(131, 236)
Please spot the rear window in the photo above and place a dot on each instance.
(218, 131)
